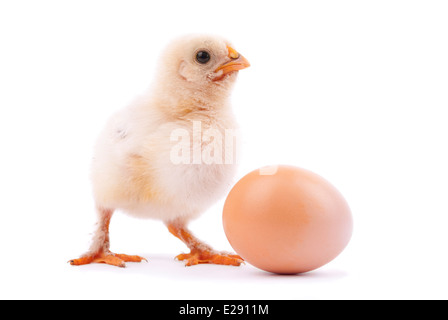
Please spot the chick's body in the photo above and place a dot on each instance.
(133, 171)
(136, 166)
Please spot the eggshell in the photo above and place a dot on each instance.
(288, 222)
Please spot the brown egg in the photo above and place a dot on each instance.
(285, 219)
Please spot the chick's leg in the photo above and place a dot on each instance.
(199, 251)
(99, 251)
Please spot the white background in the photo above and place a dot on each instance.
(356, 91)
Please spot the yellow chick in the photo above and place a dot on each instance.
(152, 161)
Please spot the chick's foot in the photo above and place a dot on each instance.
(197, 256)
(114, 259)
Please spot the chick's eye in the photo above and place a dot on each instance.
(203, 57)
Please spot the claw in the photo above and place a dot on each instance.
(203, 256)
(110, 258)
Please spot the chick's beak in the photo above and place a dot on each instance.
(236, 63)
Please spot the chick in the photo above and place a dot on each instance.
(136, 167)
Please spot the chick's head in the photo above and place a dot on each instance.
(201, 63)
